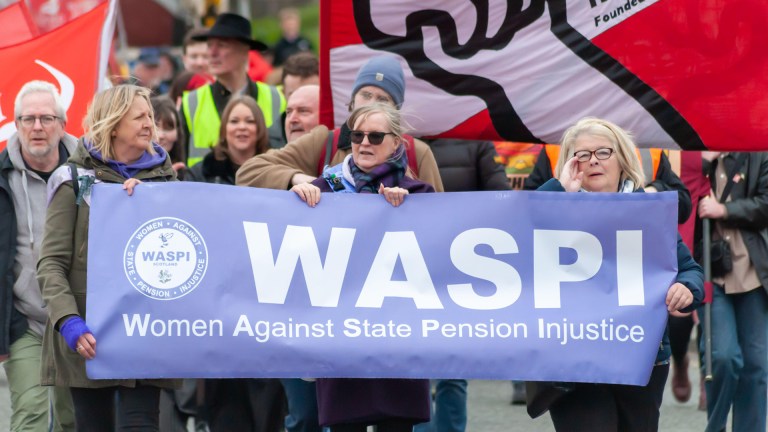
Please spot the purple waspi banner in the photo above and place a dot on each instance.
(202, 280)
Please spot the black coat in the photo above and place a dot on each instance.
(12, 323)
(212, 170)
(748, 211)
(468, 165)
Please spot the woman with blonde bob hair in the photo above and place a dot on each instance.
(117, 147)
(620, 142)
(598, 156)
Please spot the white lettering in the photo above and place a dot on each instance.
(502, 275)
(273, 277)
(418, 285)
(548, 273)
(174, 327)
(629, 268)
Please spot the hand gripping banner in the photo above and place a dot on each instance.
(494, 285)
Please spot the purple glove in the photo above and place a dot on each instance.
(72, 329)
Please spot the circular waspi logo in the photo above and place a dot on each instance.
(165, 259)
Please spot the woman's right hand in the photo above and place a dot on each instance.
(86, 346)
(129, 184)
(570, 176)
(308, 193)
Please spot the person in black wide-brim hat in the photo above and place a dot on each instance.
(232, 26)
(229, 43)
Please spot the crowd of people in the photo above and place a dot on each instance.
(213, 122)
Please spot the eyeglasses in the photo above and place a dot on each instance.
(600, 154)
(374, 138)
(29, 120)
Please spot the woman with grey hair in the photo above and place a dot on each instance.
(599, 156)
(118, 147)
(378, 164)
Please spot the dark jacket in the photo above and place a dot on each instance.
(353, 400)
(748, 210)
(468, 165)
(212, 170)
(689, 273)
(666, 180)
(12, 323)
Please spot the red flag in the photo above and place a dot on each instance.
(676, 73)
(73, 57)
(50, 14)
(16, 25)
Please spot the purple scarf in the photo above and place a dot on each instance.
(389, 173)
(146, 161)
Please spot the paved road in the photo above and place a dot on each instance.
(490, 410)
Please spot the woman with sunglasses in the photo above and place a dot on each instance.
(598, 156)
(378, 164)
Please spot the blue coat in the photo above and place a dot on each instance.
(689, 273)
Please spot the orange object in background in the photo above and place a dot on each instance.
(518, 160)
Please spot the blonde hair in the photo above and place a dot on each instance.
(621, 140)
(106, 110)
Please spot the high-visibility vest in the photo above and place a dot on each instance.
(649, 160)
(204, 123)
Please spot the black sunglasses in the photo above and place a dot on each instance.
(374, 138)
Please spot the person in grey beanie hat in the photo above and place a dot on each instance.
(386, 73)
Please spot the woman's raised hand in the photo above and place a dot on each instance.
(394, 195)
(308, 193)
(570, 177)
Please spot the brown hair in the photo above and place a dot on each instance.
(303, 64)
(166, 114)
(195, 31)
(220, 151)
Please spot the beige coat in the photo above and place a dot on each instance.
(275, 168)
(61, 272)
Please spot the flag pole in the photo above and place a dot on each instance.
(707, 306)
